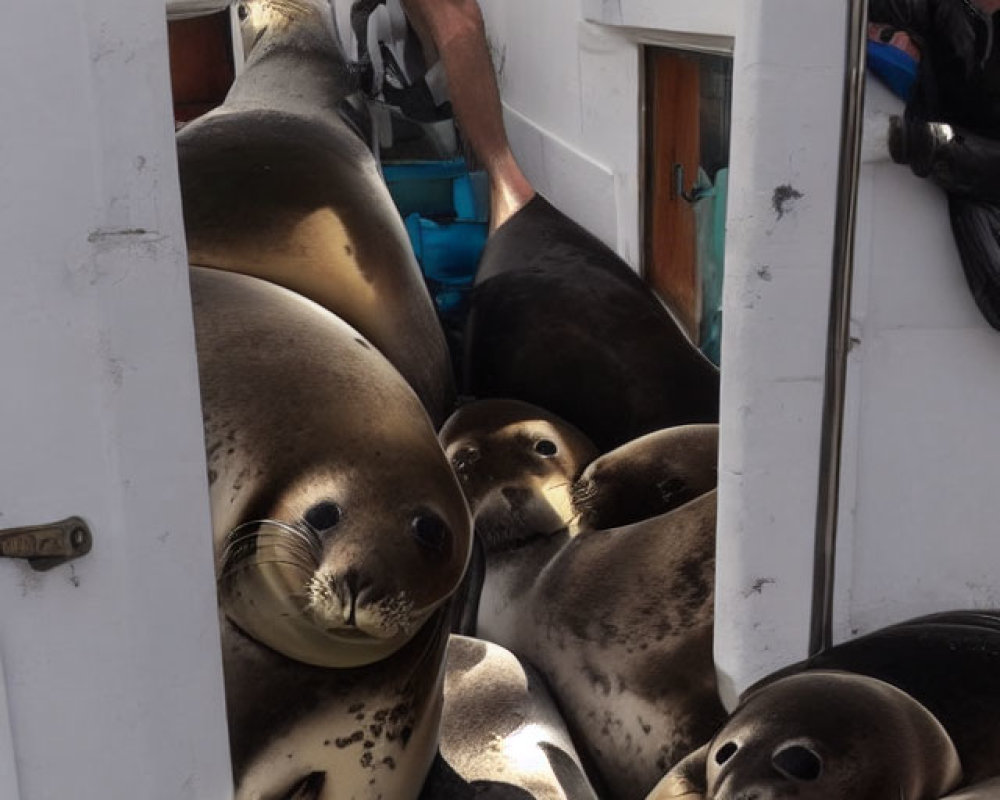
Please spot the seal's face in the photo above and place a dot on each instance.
(830, 736)
(343, 575)
(258, 17)
(516, 464)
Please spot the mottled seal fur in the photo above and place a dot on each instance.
(558, 320)
(620, 624)
(501, 734)
(310, 733)
(276, 185)
(339, 526)
(821, 735)
(340, 531)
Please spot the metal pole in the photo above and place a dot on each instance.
(821, 634)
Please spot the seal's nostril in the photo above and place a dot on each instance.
(798, 762)
(726, 752)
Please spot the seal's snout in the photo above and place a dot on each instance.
(350, 591)
(797, 762)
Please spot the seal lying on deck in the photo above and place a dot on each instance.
(558, 320)
(276, 185)
(340, 532)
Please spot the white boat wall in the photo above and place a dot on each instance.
(111, 664)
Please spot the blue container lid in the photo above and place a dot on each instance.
(896, 68)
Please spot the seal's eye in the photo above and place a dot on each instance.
(546, 448)
(243, 12)
(323, 516)
(797, 762)
(430, 531)
(465, 457)
(726, 752)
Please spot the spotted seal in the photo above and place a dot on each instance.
(339, 526)
(340, 531)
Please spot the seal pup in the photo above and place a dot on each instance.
(339, 526)
(275, 184)
(517, 464)
(501, 734)
(948, 662)
(558, 320)
(647, 476)
(821, 735)
(310, 733)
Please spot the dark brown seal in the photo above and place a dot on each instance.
(558, 320)
(821, 736)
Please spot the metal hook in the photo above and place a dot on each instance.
(696, 193)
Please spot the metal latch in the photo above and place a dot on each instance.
(47, 546)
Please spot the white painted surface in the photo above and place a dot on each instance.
(786, 133)
(712, 17)
(920, 535)
(8, 767)
(112, 664)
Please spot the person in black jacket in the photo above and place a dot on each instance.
(951, 130)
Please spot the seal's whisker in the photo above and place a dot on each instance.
(229, 569)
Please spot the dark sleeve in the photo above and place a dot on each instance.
(913, 16)
(938, 27)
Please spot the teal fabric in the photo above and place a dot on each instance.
(446, 210)
(710, 223)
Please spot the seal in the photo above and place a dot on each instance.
(647, 476)
(949, 663)
(516, 464)
(558, 320)
(618, 621)
(821, 735)
(276, 185)
(501, 734)
(299, 732)
(339, 526)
